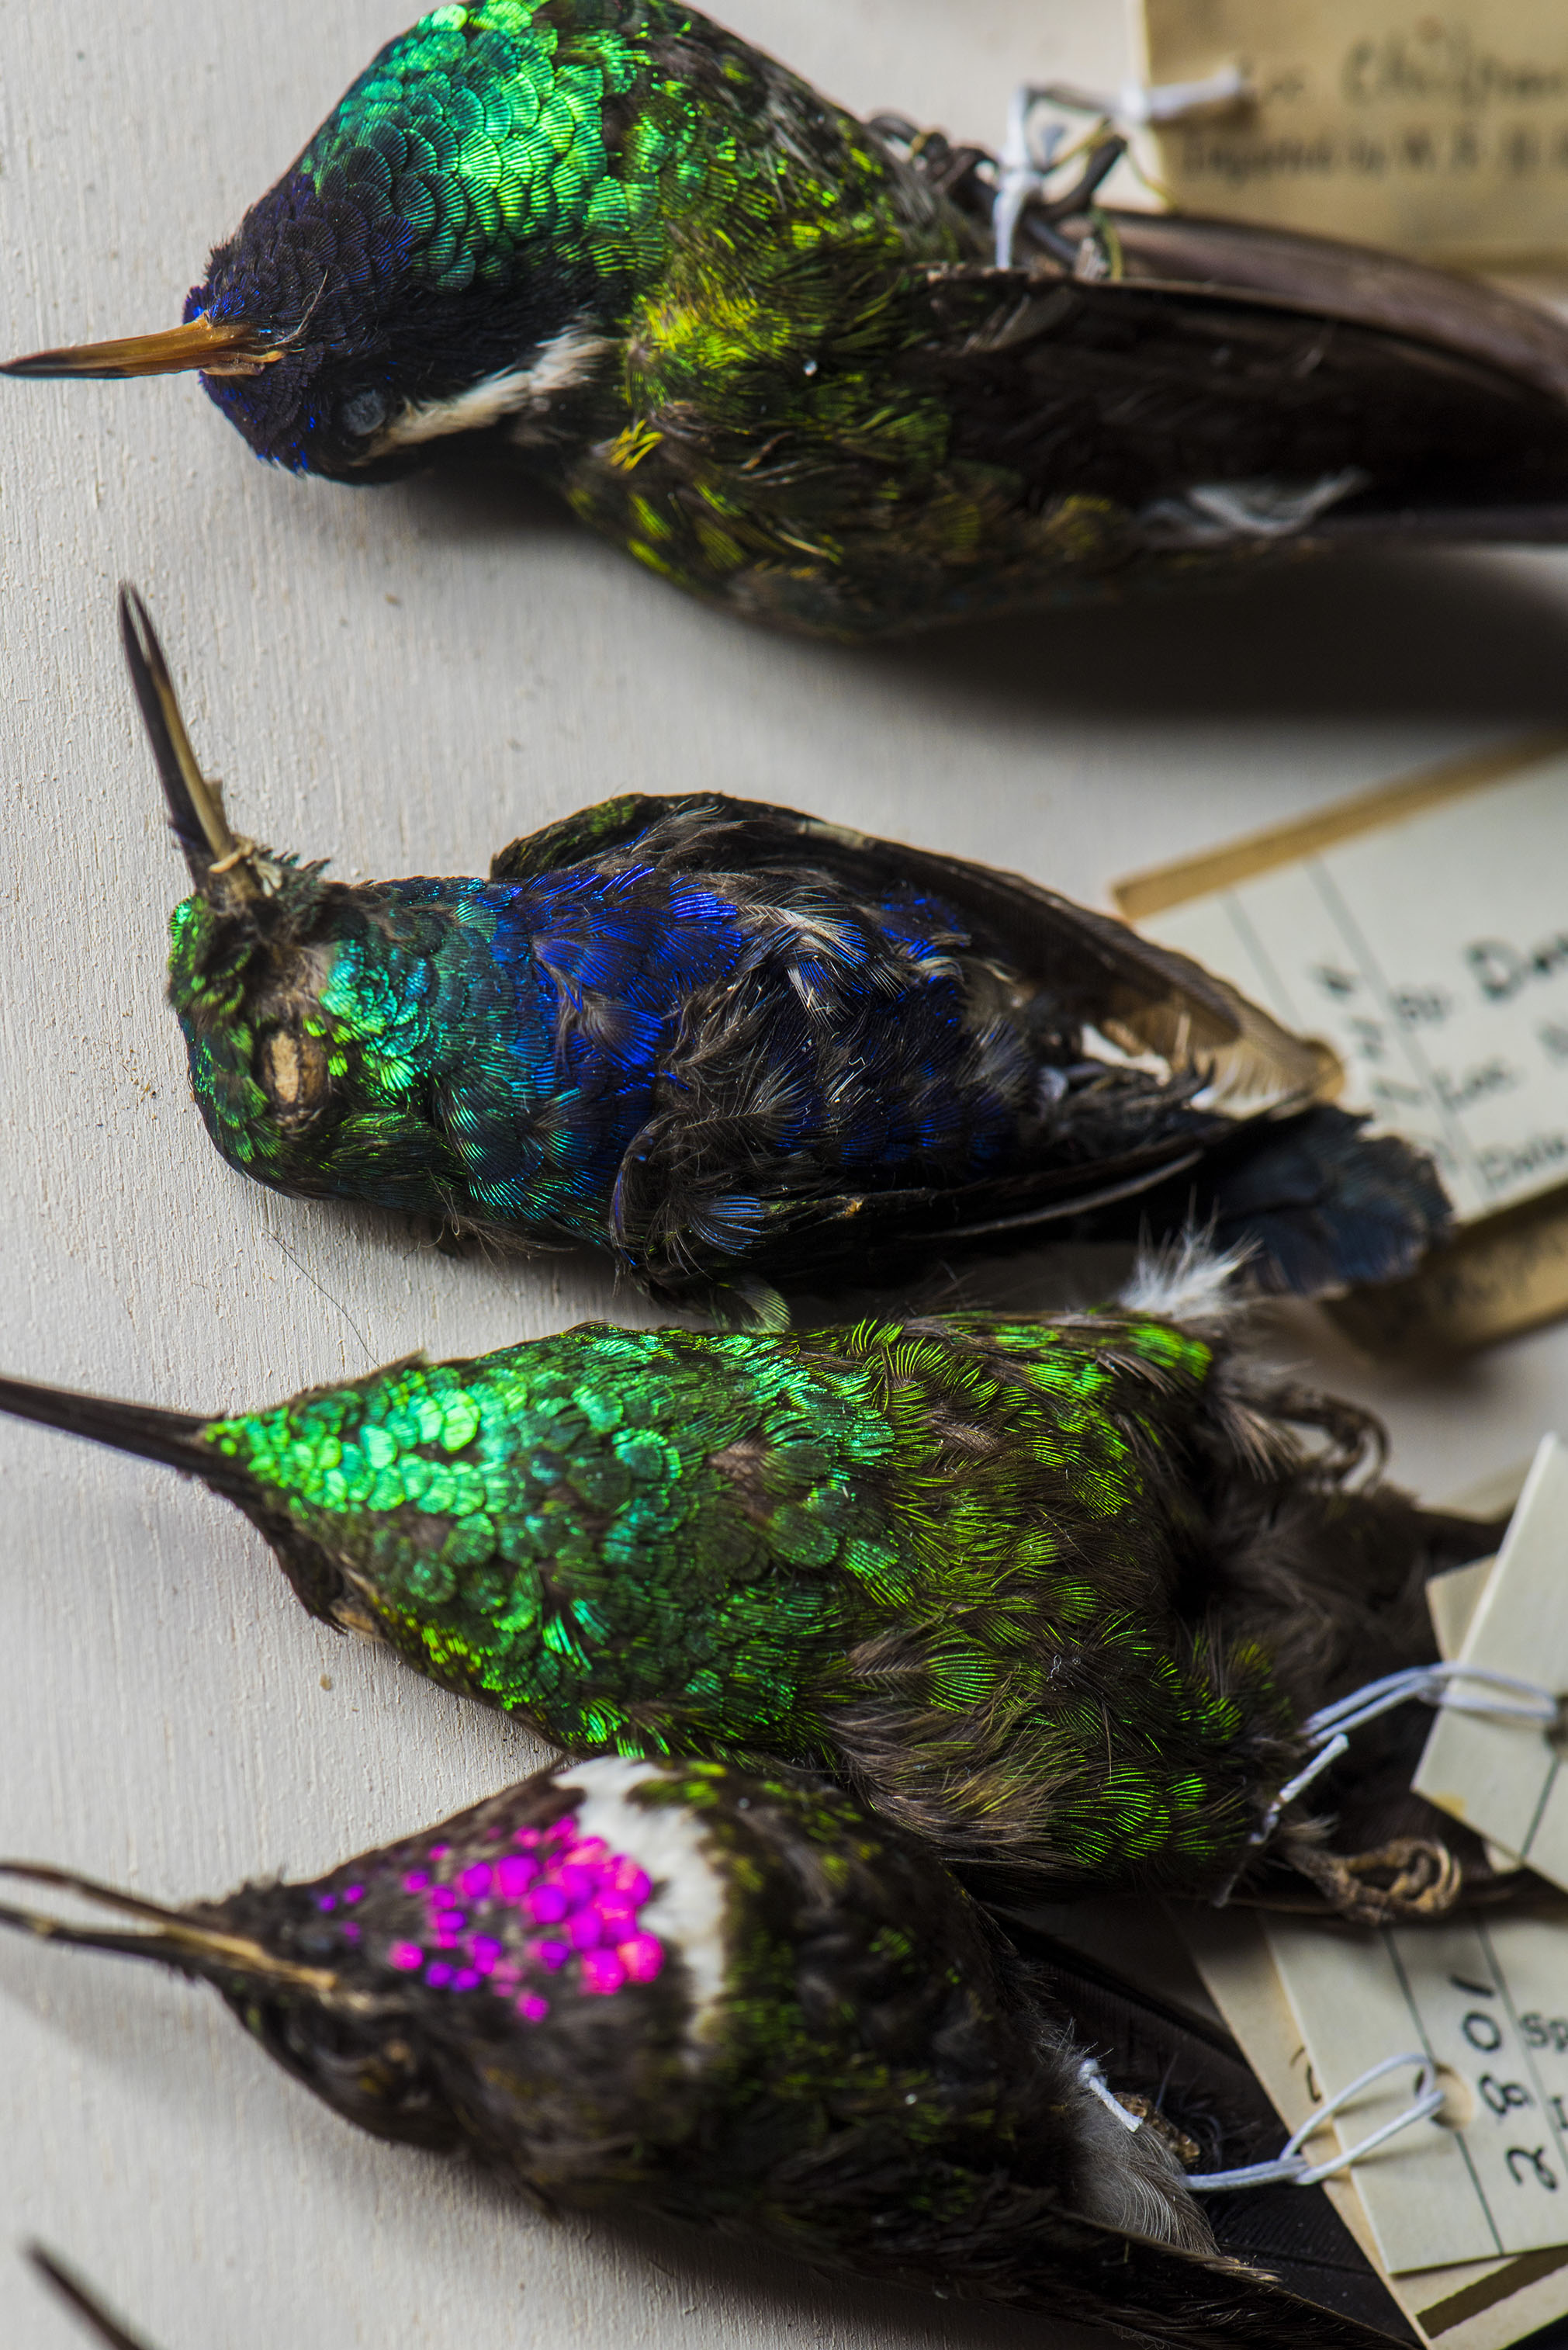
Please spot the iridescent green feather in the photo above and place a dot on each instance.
(658, 1542)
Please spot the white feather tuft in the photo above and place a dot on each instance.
(523, 392)
(1128, 2178)
(1192, 1281)
(667, 1840)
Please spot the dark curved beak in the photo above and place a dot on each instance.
(236, 349)
(196, 815)
(175, 1939)
(78, 2294)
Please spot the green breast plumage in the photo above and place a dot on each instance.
(959, 1542)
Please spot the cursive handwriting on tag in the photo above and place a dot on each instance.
(1431, 951)
(1439, 130)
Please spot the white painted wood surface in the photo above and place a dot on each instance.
(406, 679)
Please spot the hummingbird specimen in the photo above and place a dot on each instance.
(732, 1044)
(737, 2000)
(1057, 1596)
(769, 349)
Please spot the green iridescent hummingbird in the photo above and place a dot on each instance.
(792, 360)
(738, 2001)
(1059, 1596)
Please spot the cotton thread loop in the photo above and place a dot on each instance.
(1436, 1685)
(1094, 2080)
(1139, 103)
(1502, 1696)
(1025, 165)
(1292, 2167)
(1029, 155)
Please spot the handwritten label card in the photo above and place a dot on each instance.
(1506, 1780)
(1487, 2004)
(1438, 130)
(1431, 951)
(1483, 2304)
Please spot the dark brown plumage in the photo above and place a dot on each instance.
(737, 1999)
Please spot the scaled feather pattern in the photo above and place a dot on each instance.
(766, 349)
(737, 2000)
(1057, 1597)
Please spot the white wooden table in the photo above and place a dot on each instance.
(406, 679)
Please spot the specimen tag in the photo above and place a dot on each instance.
(1506, 1779)
(1304, 1999)
(1423, 932)
(1489, 2175)
(1451, 1603)
(1439, 130)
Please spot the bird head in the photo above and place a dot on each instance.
(513, 1977)
(294, 992)
(447, 252)
(269, 1951)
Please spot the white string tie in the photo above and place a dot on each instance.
(1031, 150)
(1292, 2167)
(1094, 2080)
(1172, 101)
(1436, 1685)
(1028, 155)
(1501, 1696)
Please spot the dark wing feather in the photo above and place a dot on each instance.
(1144, 997)
(1288, 1174)
(1139, 391)
(1096, 2276)
(576, 839)
(678, 1163)
(685, 1179)
(1196, 2076)
(1327, 279)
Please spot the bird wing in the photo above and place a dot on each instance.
(1098, 2276)
(1144, 998)
(1309, 397)
(576, 839)
(1195, 2078)
(692, 1194)
(1324, 279)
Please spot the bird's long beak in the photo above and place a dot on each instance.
(175, 1939)
(236, 349)
(143, 1430)
(196, 815)
(78, 2295)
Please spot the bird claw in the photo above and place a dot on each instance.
(1414, 1877)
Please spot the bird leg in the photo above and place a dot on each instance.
(1187, 2150)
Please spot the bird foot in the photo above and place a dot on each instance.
(1396, 1884)
(1187, 2150)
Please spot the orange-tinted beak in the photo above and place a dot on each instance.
(237, 350)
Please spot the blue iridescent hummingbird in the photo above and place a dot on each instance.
(738, 1045)
(786, 358)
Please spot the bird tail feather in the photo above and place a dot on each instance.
(1321, 1206)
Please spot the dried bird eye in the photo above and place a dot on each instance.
(364, 413)
(291, 1067)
